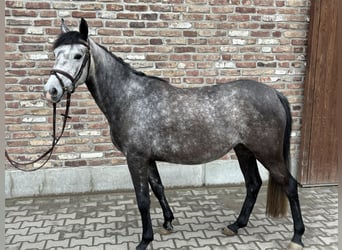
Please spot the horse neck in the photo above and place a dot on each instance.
(106, 80)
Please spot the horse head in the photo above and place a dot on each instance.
(72, 62)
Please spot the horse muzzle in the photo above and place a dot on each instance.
(53, 94)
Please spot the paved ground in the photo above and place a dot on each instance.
(111, 221)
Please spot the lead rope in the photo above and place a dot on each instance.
(55, 140)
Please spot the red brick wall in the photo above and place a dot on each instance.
(190, 43)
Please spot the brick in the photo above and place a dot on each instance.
(294, 34)
(245, 10)
(110, 32)
(225, 64)
(169, 16)
(156, 41)
(131, 16)
(48, 13)
(138, 41)
(267, 11)
(157, 25)
(184, 49)
(223, 9)
(218, 2)
(91, 155)
(14, 4)
(114, 7)
(239, 18)
(267, 26)
(28, 48)
(12, 39)
(262, 64)
(181, 25)
(285, 57)
(149, 16)
(75, 163)
(52, 31)
(268, 41)
(194, 17)
(84, 14)
(25, 13)
(296, 3)
(156, 57)
(136, 7)
(38, 5)
(15, 30)
(137, 25)
(234, 33)
(246, 64)
(260, 33)
(93, 6)
(43, 23)
(264, 2)
(198, 9)
(15, 22)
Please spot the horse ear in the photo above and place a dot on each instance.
(64, 28)
(84, 29)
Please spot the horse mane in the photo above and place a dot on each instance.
(71, 37)
(129, 67)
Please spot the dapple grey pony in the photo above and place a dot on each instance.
(151, 120)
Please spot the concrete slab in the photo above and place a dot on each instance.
(109, 178)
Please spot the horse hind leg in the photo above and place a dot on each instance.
(282, 187)
(292, 194)
(253, 183)
(158, 190)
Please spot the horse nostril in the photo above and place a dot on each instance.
(53, 92)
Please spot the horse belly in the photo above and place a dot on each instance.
(193, 130)
(194, 146)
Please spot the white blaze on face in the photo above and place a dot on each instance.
(69, 58)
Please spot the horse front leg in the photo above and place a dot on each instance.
(158, 190)
(139, 170)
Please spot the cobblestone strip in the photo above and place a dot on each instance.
(111, 221)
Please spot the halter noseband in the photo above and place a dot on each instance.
(73, 80)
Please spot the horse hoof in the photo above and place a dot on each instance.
(294, 246)
(227, 231)
(163, 231)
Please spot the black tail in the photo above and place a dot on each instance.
(276, 199)
(288, 128)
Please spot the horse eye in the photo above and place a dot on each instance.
(78, 56)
